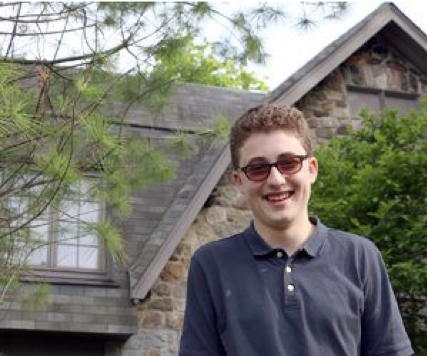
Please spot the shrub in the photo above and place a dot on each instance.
(373, 183)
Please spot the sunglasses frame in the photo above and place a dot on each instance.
(301, 158)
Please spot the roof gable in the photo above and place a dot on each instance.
(387, 19)
(167, 211)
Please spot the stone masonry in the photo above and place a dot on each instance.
(161, 316)
(376, 65)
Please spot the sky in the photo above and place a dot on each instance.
(290, 48)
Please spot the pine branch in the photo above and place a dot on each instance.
(89, 56)
(14, 31)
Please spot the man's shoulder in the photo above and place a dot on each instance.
(221, 248)
(354, 253)
(349, 241)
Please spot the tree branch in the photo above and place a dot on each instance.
(14, 32)
(83, 57)
(36, 34)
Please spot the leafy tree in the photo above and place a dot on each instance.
(195, 63)
(372, 183)
(60, 62)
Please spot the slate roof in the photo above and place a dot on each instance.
(178, 203)
(163, 213)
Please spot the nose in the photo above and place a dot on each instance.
(275, 177)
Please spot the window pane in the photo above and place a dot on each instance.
(88, 239)
(86, 189)
(39, 233)
(76, 247)
(70, 211)
(89, 212)
(68, 233)
(18, 205)
(67, 256)
(88, 257)
(40, 229)
(402, 105)
(38, 257)
(358, 101)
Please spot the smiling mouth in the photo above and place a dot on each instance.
(278, 197)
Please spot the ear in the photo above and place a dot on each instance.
(237, 180)
(313, 169)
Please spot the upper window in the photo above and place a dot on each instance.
(376, 100)
(76, 245)
(65, 240)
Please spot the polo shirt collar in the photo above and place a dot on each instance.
(257, 244)
(313, 246)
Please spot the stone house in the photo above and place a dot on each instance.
(137, 310)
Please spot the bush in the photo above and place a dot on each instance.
(373, 183)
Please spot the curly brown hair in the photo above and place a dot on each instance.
(265, 118)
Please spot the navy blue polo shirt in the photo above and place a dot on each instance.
(331, 298)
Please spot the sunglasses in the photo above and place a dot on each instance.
(258, 172)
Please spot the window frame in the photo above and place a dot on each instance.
(54, 274)
(382, 94)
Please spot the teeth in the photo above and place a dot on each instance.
(279, 197)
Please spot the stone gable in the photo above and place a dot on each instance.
(377, 65)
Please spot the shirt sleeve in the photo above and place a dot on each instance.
(200, 335)
(383, 332)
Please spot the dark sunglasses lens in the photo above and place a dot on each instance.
(289, 165)
(257, 172)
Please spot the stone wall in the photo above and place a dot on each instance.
(376, 65)
(161, 315)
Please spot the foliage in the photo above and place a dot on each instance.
(372, 183)
(194, 64)
(45, 159)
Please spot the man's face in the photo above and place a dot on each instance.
(280, 201)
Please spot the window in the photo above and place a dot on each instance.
(64, 238)
(376, 100)
(76, 245)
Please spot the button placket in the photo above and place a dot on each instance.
(289, 284)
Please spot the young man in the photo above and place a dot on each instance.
(288, 285)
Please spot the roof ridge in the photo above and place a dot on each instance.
(322, 55)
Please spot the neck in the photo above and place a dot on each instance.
(288, 238)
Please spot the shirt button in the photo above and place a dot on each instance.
(288, 269)
(279, 254)
(291, 288)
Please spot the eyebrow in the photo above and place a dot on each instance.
(254, 159)
(263, 159)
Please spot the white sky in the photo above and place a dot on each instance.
(290, 48)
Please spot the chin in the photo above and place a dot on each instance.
(282, 223)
